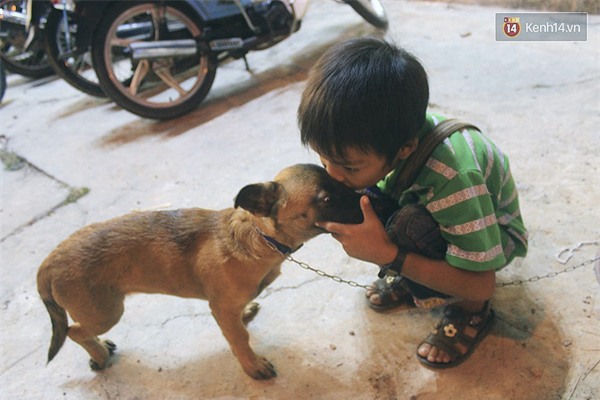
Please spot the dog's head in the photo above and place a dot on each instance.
(298, 197)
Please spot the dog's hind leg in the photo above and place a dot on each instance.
(94, 320)
(99, 351)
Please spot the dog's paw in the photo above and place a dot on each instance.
(94, 366)
(263, 370)
(110, 346)
(250, 312)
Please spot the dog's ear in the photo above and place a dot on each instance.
(259, 198)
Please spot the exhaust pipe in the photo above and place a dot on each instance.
(163, 49)
(13, 17)
(183, 47)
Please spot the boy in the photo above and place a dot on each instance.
(364, 112)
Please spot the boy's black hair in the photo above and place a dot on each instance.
(364, 93)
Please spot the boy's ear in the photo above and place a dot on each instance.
(408, 149)
(259, 198)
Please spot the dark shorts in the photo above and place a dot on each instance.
(414, 229)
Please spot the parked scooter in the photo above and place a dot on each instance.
(38, 40)
(21, 50)
(70, 61)
(158, 59)
(2, 80)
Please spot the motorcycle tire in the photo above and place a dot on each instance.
(32, 63)
(160, 88)
(372, 11)
(2, 80)
(77, 70)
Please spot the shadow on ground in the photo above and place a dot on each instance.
(524, 356)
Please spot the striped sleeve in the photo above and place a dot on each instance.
(468, 188)
(465, 211)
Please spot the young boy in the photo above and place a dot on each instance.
(364, 112)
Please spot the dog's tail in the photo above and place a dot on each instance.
(58, 316)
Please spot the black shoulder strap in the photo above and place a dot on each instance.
(416, 161)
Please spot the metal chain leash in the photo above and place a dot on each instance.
(516, 282)
(548, 275)
(319, 272)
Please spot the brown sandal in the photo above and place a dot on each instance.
(458, 334)
(391, 294)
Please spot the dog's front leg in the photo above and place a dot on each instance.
(229, 319)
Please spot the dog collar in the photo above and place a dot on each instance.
(277, 245)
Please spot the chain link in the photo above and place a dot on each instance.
(516, 282)
(326, 275)
(548, 275)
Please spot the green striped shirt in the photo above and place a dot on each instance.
(468, 188)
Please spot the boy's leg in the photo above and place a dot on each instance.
(464, 323)
(414, 229)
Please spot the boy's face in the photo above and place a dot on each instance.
(358, 169)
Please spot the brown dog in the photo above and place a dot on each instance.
(226, 257)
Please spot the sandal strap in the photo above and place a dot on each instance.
(392, 294)
(450, 334)
(389, 286)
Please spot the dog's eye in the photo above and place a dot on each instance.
(325, 198)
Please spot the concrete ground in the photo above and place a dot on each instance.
(538, 100)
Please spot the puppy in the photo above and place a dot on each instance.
(226, 257)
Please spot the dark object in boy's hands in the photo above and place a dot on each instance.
(383, 204)
(413, 228)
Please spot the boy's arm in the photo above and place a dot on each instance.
(369, 242)
(443, 277)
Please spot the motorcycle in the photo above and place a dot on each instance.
(38, 41)
(158, 59)
(70, 61)
(2, 80)
(21, 51)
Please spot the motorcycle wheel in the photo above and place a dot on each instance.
(2, 80)
(160, 88)
(32, 63)
(372, 11)
(77, 69)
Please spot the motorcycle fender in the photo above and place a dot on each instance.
(213, 10)
(89, 13)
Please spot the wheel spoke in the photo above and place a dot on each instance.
(78, 64)
(140, 73)
(165, 75)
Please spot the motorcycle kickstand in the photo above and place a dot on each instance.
(247, 65)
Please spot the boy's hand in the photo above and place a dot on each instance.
(367, 241)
